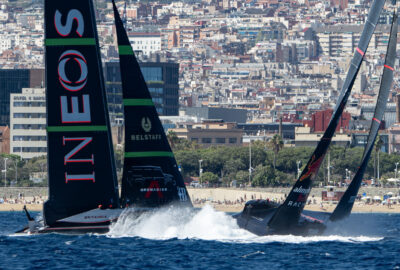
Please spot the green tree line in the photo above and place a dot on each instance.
(275, 165)
(272, 164)
(19, 172)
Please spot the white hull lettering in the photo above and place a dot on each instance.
(94, 216)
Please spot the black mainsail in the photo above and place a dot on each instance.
(289, 212)
(343, 209)
(151, 176)
(81, 166)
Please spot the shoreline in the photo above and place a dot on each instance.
(358, 208)
(17, 207)
(230, 200)
(222, 199)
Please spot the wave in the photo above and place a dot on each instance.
(205, 224)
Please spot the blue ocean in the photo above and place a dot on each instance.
(206, 239)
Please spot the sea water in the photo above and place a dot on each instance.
(205, 239)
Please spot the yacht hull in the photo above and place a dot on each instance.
(92, 221)
(255, 219)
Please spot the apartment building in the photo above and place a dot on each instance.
(304, 137)
(12, 81)
(146, 42)
(341, 40)
(28, 123)
(210, 132)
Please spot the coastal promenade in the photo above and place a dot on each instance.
(222, 199)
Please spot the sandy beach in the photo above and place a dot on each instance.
(19, 206)
(358, 208)
(230, 200)
(222, 199)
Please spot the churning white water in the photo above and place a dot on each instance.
(181, 223)
(206, 224)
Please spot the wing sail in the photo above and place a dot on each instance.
(343, 209)
(81, 166)
(289, 212)
(151, 176)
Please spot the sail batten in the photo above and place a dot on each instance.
(138, 102)
(125, 50)
(70, 41)
(289, 212)
(76, 128)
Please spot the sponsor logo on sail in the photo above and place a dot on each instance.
(146, 124)
(302, 190)
(153, 187)
(145, 137)
(296, 204)
(301, 197)
(312, 168)
(64, 80)
(73, 86)
(64, 30)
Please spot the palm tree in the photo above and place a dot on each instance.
(173, 139)
(276, 143)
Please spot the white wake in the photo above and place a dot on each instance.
(204, 224)
(173, 222)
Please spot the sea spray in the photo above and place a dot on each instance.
(205, 224)
(177, 222)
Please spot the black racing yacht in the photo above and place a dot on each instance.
(265, 217)
(343, 209)
(83, 186)
(151, 177)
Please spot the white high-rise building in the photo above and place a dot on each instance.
(146, 42)
(28, 123)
